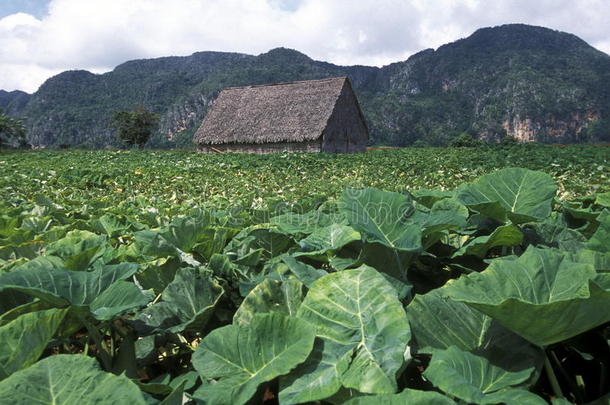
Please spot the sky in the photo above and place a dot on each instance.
(41, 38)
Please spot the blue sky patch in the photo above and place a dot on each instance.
(37, 8)
(286, 5)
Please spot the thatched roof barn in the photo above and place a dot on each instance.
(306, 116)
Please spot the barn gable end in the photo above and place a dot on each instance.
(346, 130)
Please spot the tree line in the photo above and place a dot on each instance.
(133, 128)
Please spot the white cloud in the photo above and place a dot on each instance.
(26, 76)
(99, 34)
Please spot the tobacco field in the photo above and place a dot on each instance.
(415, 276)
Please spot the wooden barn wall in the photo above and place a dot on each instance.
(346, 132)
(311, 146)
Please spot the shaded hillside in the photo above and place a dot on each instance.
(528, 82)
(13, 102)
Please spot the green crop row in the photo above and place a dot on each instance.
(409, 276)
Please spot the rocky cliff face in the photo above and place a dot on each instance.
(551, 129)
(528, 82)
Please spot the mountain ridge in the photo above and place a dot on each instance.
(529, 82)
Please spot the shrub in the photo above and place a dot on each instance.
(420, 144)
(135, 127)
(509, 140)
(464, 140)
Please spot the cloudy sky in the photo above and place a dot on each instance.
(40, 38)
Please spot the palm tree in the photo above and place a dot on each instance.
(12, 131)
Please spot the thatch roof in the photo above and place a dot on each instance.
(282, 112)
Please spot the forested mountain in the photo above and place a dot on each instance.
(528, 82)
(13, 102)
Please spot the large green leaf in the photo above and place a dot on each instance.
(390, 261)
(25, 338)
(19, 236)
(476, 380)
(8, 226)
(158, 274)
(187, 303)
(152, 243)
(28, 250)
(600, 261)
(242, 357)
(364, 332)
(11, 299)
(438, 322)
(113, 225)
(603, 199)
(318, 377)
(31, 305)
(156, 244)
(78, 249)
(185, 231)
(213, 240)
(68, 380)
(600, 241)
(302, 224)
(507, 235)
(270, 296)
(408, 396)
(382, 217)
(542, 296)
(120, 297)
(554, 232)
(428, 197)
(515, 194)
(444, 215)
(255, 243)
(514, 396)
(304, 272)
(386, 222)
(63, 287)
(577, 210)
(41, 263)
(327, 239)
(175, 398)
